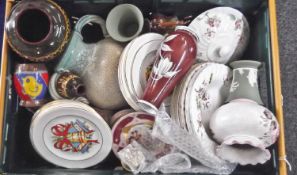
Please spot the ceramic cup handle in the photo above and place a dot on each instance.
(87, 19)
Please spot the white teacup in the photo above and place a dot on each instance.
(124, 22)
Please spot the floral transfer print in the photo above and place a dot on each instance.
(268, 121)
(213, 21)
(73, 137)
(200, 128)
(203, 97)
(209, 33)
(238, 24)
(135, 135)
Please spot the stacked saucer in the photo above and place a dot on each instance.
(70, 134)
(202, 91)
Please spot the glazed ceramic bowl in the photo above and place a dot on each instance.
(244, 129)
(223, 34)
(38, 30)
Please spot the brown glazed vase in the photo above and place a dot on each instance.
(176, 56)
(37, 30)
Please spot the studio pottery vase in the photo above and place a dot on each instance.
(101, 80)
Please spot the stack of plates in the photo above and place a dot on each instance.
(204, 89)
(135, 64)
(70, 134)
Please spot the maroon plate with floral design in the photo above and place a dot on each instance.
(132, 126)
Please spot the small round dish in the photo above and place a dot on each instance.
(70, 134)
(129, 128)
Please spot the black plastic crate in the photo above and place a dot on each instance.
(18, 155)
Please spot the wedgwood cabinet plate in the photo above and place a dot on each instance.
(70, 134)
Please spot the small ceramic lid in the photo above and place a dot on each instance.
(223, 34)
(70, 134)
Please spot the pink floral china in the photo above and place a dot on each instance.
(244, 143)
(223, 34)
(243, 127)
(203, 90)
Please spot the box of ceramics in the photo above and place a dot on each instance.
(152, 86)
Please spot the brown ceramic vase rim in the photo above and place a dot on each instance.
(31, 67)
(59, 49)
(43, 39)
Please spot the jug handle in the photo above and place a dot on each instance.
(87, 19)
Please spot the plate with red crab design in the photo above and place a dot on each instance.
(70, 134)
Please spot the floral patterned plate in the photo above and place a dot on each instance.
(188, 83)
(70, 134)
(178, 99)
(130, 127)
(209, 89)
